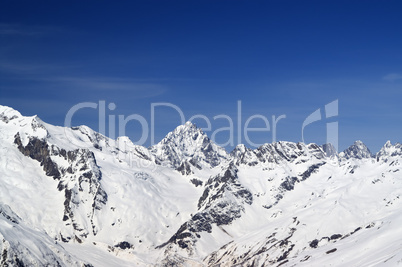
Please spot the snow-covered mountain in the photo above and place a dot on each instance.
(358, 150)
(73, 197)
(186, 148)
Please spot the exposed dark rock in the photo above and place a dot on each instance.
(286, 253)
(185, 168)
(204, 196)
(314, 243)
(65, 240)
(78, 160)
(286, 261)
(123, 245)
(51, 169)
(370, 225)
(78, 239)
(357, 229)
(331, 251)
(312, 169)
(278, 197)
(38, 150)
(100, 198)
(194, 162)
(305, 258)
(335, 236)
(289, 183)
(20, 263)
(8, 214)
(68, 214)
(216, 209)
(7, 119)
(4, 258)
(196, 182)
(358, 151)
(87, 175)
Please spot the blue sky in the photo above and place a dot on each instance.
(277, 57)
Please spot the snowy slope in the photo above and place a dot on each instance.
(22, 245)
(71, 196)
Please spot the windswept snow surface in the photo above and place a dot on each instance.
(73, 197)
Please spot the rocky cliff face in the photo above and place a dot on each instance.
(222, 202)
(277, 153)
(78, 177)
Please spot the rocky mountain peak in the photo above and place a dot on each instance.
(188, 143)
(183, 136)
(389, 150)
(239, 150)
(276, 153)
(358, 151)
(388, 144)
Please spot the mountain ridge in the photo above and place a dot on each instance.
(186, 201)
(191, 130)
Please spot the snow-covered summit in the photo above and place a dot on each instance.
(7, 114)
(358, 151)
(389, 151)
(188, 145)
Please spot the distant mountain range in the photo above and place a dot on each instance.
(73, 197)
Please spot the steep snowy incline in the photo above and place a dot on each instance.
(21, 244)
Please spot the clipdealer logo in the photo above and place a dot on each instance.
(119, 122)
(330, 111)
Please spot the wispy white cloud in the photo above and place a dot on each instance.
(49, 75)
(391, 77)
(143, 89)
